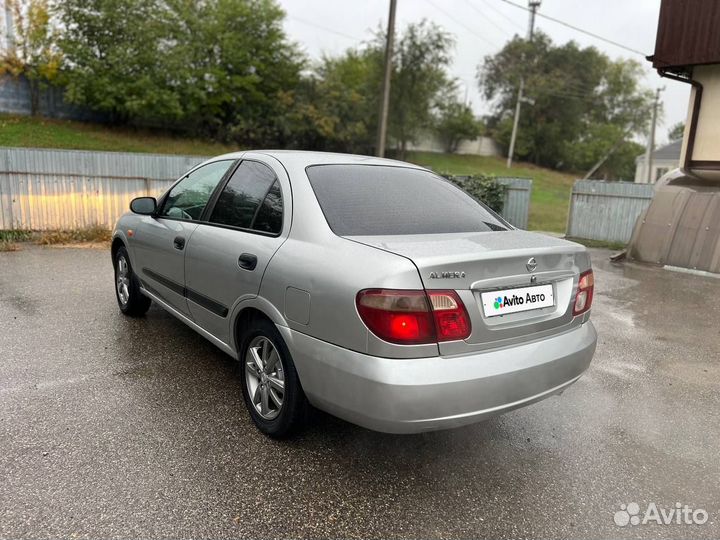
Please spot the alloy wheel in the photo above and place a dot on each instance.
(123, 280)
(265, 377)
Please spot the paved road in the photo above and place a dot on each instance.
(112, 427)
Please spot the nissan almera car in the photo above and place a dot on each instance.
(372, 289)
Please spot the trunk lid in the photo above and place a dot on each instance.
(484, 262)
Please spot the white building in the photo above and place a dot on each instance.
(482, 146)
(664, 159)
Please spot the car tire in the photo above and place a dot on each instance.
(261, 391)
(131, 301)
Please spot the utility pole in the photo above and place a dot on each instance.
(651, 139)
(385, 97)
(533, 5)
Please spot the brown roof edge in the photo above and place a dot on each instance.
(687, 34)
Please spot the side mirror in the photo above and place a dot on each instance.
(145, 206)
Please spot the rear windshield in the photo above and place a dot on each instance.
(371, 200)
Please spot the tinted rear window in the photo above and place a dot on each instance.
(374, 200)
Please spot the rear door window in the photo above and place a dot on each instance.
(269, 217)
(369, 200)
(252, 199)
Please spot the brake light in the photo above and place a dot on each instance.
(584, 296)
(410, 317)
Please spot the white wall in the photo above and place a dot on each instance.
(707, 136)
(660, 167)
(482, 146)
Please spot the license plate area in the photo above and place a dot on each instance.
(516, 300)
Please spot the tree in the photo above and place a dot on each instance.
(335, 106)
(219, 67)
(420, 59)
(621, 163)
(120, 59)
(34, 53)
(677, 131)
(238, 51)
(455, 121)
(583, 101)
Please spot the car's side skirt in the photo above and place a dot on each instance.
(204, 333)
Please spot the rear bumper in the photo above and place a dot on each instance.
(424, 394)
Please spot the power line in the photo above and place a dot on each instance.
(473, 32)
(509, 19)
(325, 28)
(493, 24)
(578, 29)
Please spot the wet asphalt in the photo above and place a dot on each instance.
(119, 428)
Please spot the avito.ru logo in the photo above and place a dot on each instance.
(515, 300)
(629, 514)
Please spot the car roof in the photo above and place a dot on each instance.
(303, 158)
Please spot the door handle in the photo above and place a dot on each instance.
(179, 243)
(247, 261)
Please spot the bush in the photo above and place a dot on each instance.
(483, 187)
(9, 239)
(95, 233)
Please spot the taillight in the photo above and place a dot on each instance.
(584, 296)
(409, 317)
(451, 318)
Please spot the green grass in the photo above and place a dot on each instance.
(615, 246)
(9, 239)
(15, 236)
(550, 198)
(24, 131)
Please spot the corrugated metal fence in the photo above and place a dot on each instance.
(606, 210)
(517, 200)
(64, 189)
(516, 205)
(103, 164)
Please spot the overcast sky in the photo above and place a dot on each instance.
(481, 27)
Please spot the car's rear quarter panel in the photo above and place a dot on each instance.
(331, 270)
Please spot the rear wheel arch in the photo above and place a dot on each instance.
(245, 312)
(243, 321)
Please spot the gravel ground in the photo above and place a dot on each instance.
(118, 428)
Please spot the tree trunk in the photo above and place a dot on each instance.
(403, 149)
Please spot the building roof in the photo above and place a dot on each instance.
(687, 35)
(669, 152)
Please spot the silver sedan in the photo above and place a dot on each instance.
(369, 288)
